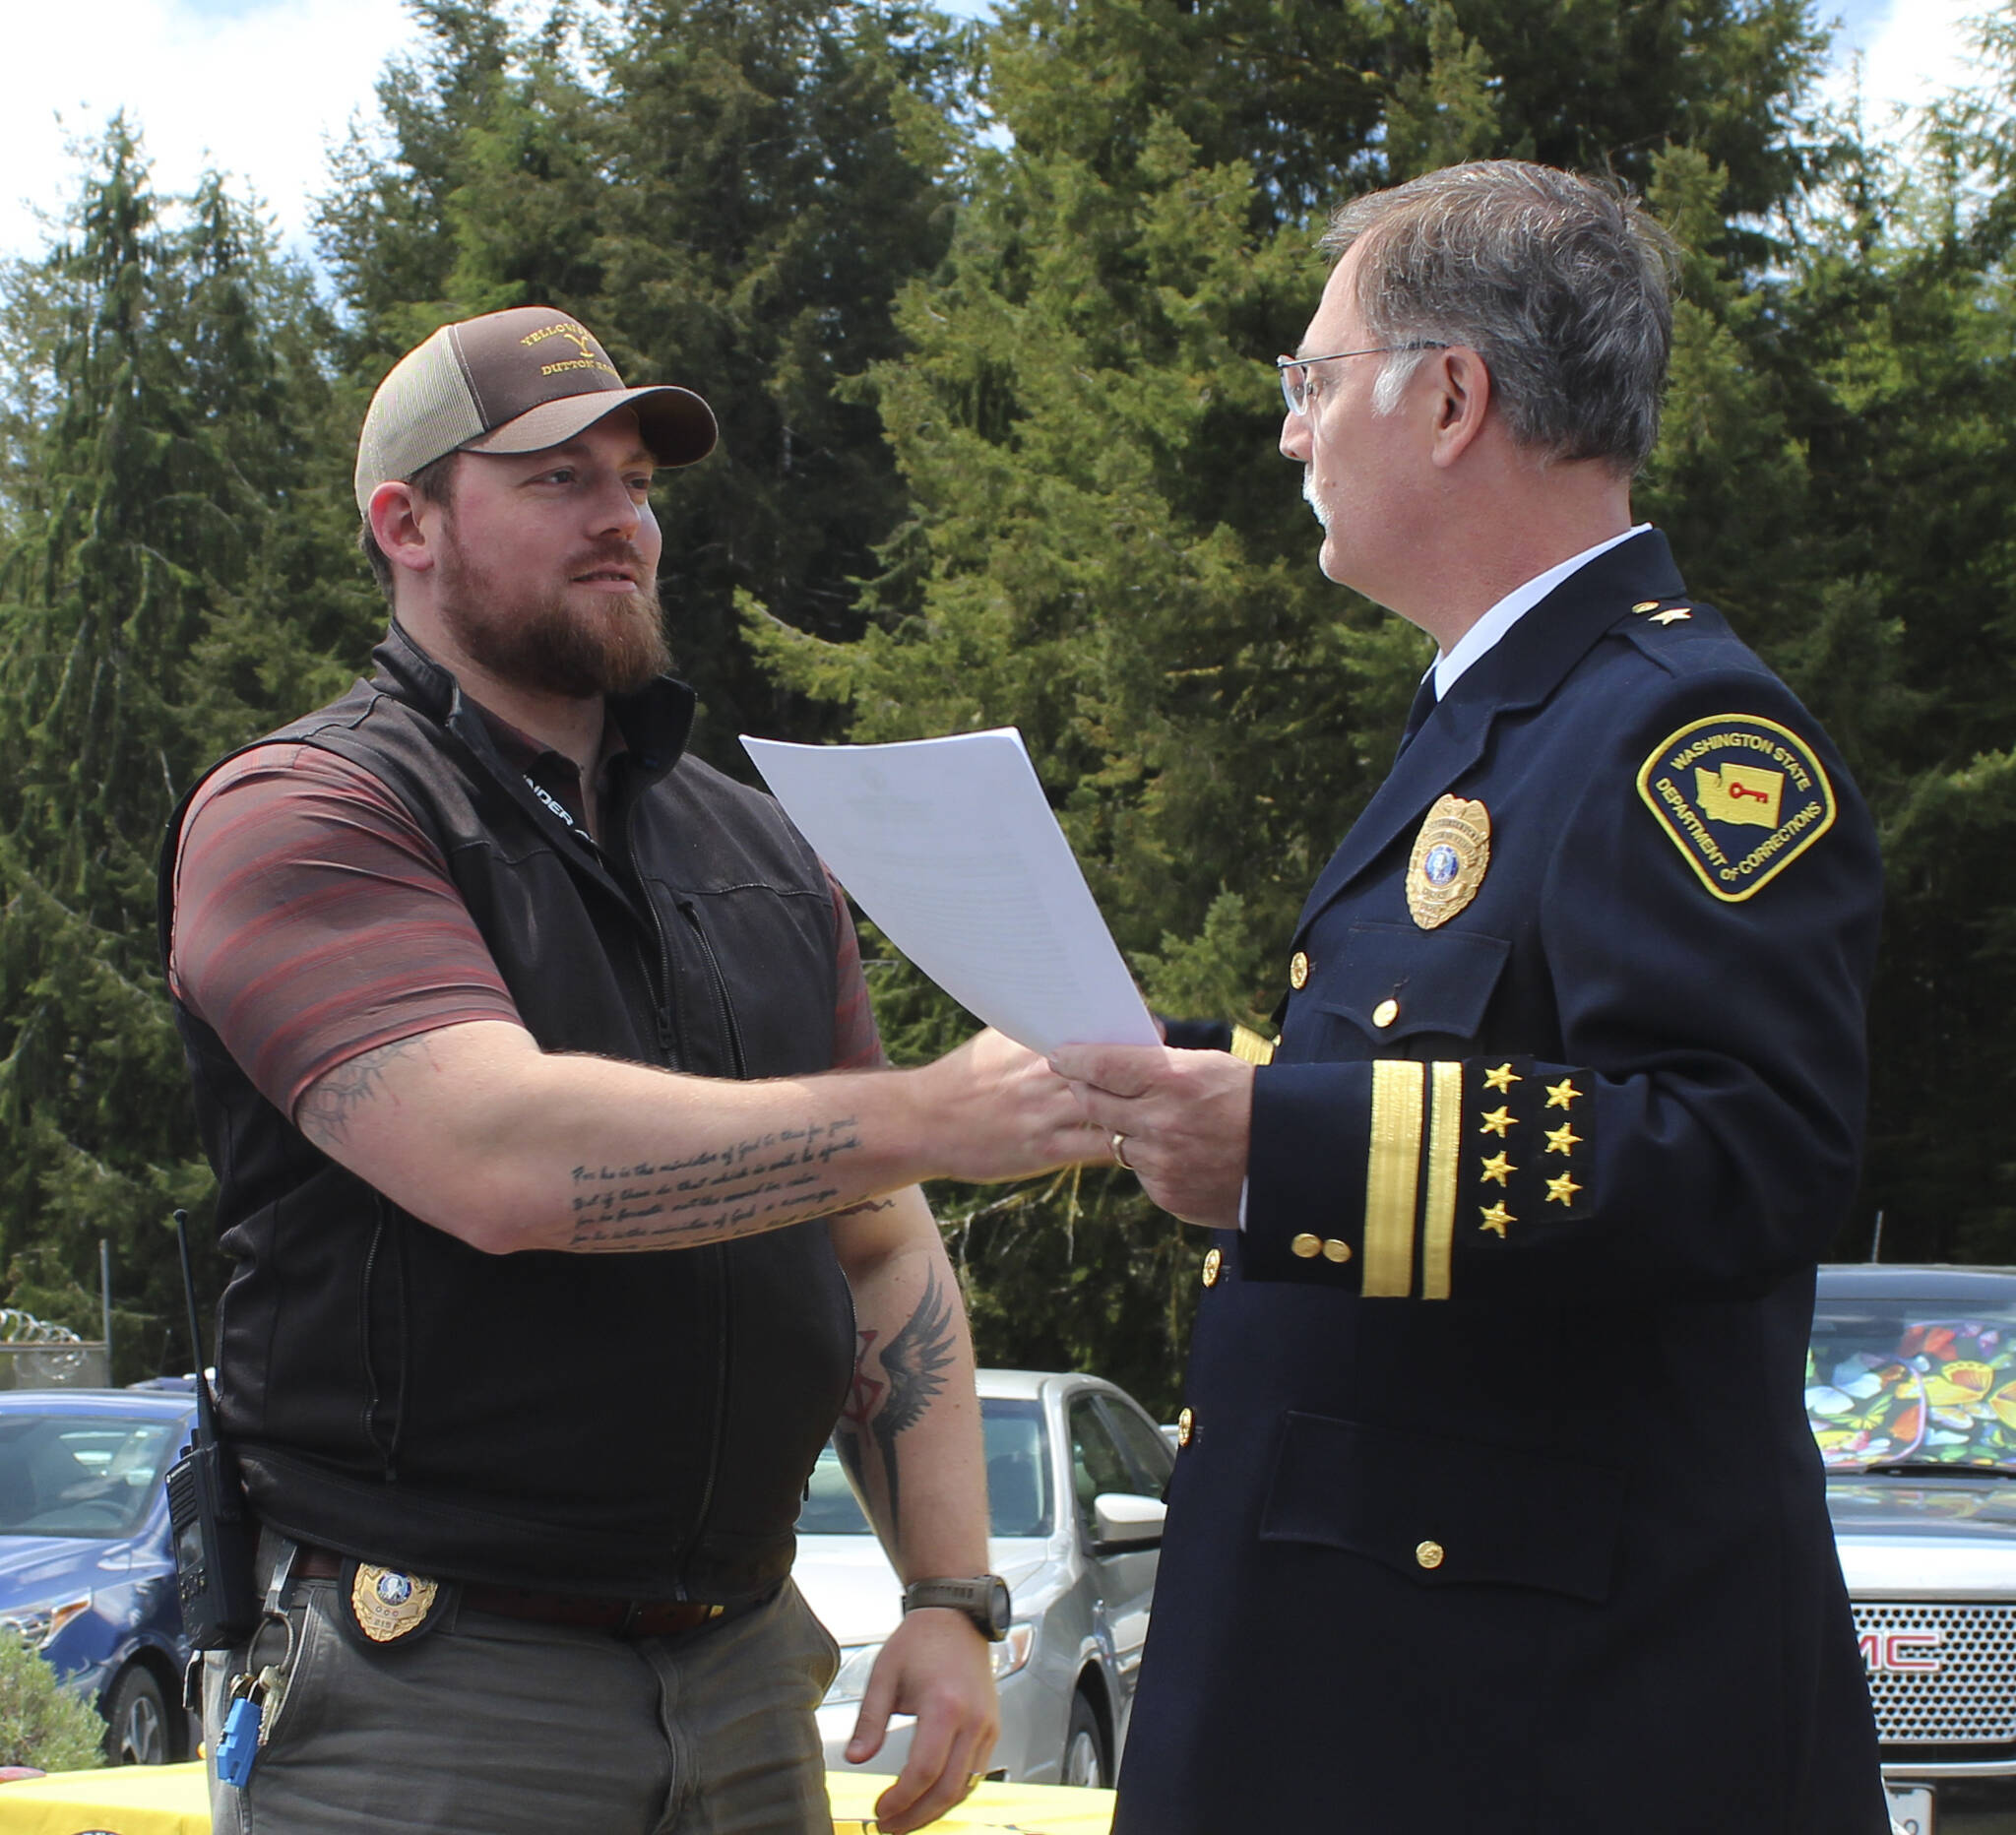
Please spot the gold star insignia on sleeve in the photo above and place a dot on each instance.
(1669, 617)
(1502, 1079)
(1498, 1169)
(1497, 1121)
(1562, 1190)
(1563, 1139)
(1562, 1095)
(1496, 1217)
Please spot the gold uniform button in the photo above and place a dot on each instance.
(1305, 1245)
(1298, 970)
(1385, 1013)
(1211, 1262)
(1337, 1252)
(1186, 1426)
(1428, 1553)
(1646, 605)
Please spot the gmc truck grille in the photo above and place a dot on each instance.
(1940, 1675)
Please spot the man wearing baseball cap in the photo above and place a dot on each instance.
(569, 1199)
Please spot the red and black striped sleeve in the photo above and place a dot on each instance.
(857, 1044)
(314, 920)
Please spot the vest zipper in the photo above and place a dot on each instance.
(387, 1453)
(723, 1005)
(400, 1409)
(669, 1043)
(723, 1270)
(723, 1265)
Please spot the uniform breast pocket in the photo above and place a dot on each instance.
(1447, 1512)
(1395, 981)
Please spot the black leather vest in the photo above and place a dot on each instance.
(622, 1423)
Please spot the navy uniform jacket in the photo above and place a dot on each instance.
(1497, 1510)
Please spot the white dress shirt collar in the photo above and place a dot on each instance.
(1487, 630)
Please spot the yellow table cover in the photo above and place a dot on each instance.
(174, 1800)
(132, 1800)
(992, 1809)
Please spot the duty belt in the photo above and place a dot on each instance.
(623, 1618)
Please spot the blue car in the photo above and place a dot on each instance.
(87, 1563)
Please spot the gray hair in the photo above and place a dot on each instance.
(1562, 284)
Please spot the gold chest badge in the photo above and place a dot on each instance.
(1448, 862)
(389, 1605)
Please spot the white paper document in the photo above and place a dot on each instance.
(950, 847)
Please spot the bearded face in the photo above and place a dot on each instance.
(547, 637)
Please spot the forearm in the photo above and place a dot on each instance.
(911, 1434)
(475, 1130)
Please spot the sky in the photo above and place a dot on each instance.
(261, 89)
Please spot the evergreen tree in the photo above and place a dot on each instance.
(158, 520)
(1105, 549)
(1902, 325)
(730, 193)
(1021, 470)
(1836, 427)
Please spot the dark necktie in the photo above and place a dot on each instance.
(1424, 706)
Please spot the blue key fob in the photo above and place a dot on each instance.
(239, 1746)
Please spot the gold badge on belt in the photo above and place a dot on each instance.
(387, 1604)
(1448, 862)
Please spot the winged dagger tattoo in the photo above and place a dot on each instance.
(914, 1362)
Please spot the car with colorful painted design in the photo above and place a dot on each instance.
(1911, 1387)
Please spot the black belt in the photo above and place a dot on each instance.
(625, 1617)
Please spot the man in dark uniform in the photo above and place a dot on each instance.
(1497, 1509)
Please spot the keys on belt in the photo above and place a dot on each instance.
(254, 1689)
(245, 1725)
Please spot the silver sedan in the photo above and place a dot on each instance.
(1076, 1472)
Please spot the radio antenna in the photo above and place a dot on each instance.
(206, 1403)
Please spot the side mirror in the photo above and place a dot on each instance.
(1126, 1521)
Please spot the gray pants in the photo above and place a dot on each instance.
(492, 1726)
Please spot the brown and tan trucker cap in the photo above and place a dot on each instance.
(512, 382)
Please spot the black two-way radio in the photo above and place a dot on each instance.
(207, 1510)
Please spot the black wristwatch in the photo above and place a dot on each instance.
(984, 1598)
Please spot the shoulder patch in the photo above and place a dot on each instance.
(1741, 797)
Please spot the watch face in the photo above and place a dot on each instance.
(997, 1608)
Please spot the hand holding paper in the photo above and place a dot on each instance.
(1186, 1117)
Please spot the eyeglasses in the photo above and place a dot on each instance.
(1295, 370)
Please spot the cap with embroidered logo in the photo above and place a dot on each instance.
(512, 382)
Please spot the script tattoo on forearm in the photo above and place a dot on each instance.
(734, 1190)
(324, 1114)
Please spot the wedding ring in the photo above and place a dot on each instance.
(1121, 1152)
